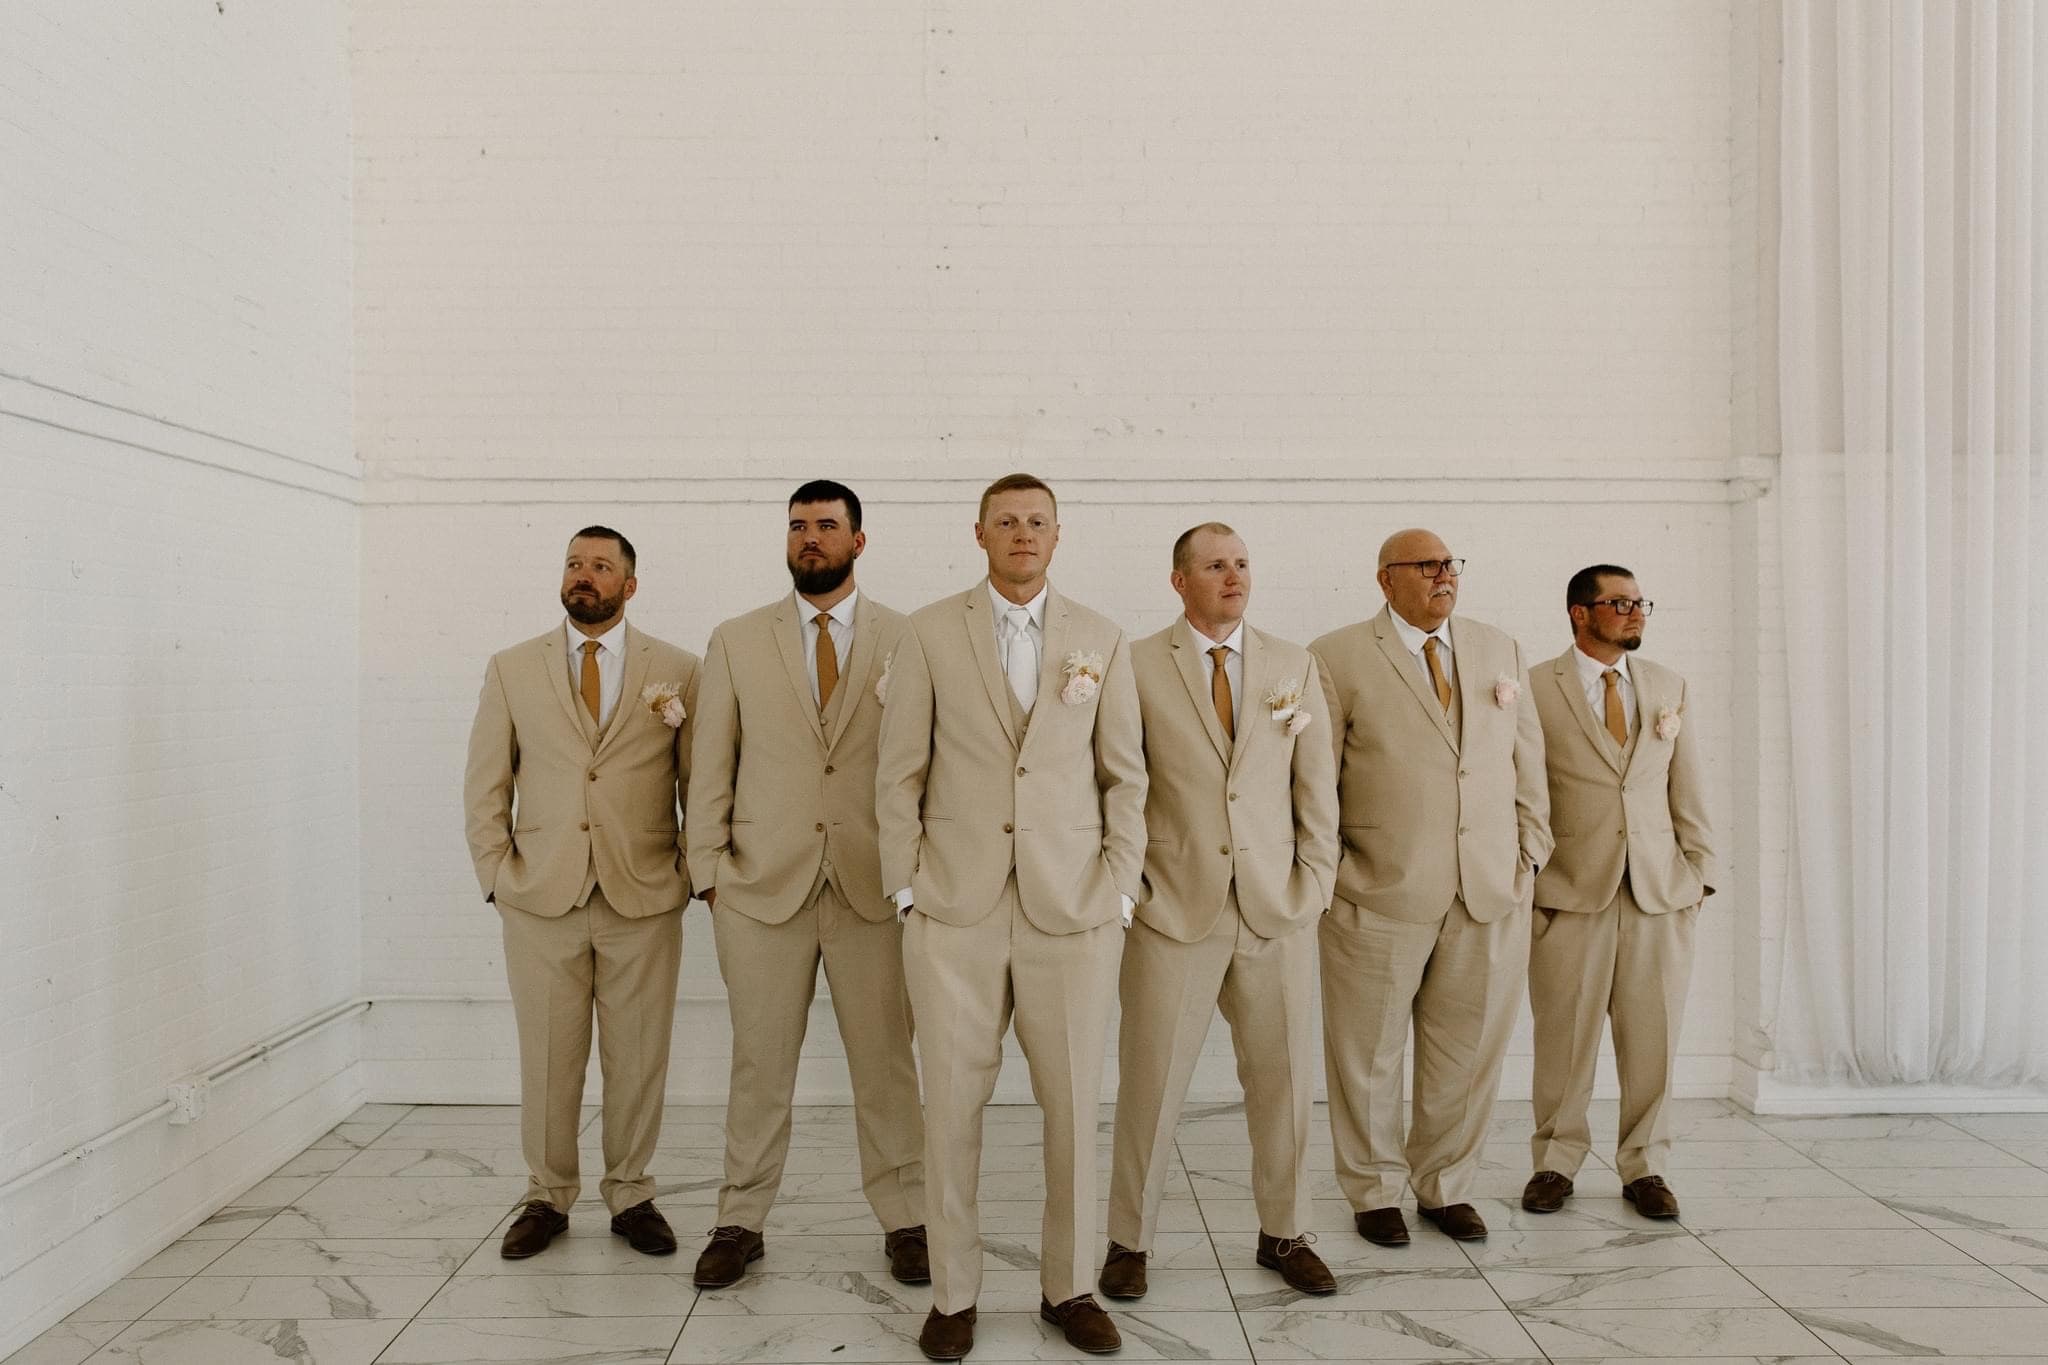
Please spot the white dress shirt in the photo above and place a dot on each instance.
(841, 626)
(611, 667)
(1233, 667)
(1411, 640)
(1590, 681)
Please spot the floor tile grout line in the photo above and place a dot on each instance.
(1209, 1235)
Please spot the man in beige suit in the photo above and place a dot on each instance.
(578, 760)
(1012, 810)
(782, 841)
(1612, 934)
(1444, 818)
(1240, 860)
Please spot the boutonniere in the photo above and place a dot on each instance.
(1668, 722)
(1288, 713)
(882, 683)
(1084, 678)
(665, 700)
(1505, 691)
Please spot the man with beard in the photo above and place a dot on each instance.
(1444, 817)
(578, 760)
(1612, 935)
(782, 839)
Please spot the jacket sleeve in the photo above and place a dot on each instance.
(714, 765)
(1532, 781)
(1689, 824)
(902, 761)
(686, 734)
(1315, 792)
(487, 780)
(1120, 772)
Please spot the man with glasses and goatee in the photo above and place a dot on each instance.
(1612, 934)
(1444, 819)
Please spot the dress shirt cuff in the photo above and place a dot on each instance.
(903, 901)
(1128, 904)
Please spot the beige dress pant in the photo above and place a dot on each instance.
(1616, 964)
(1460, 982)
(559, 968)
(967, 984)
(1170, 992)
(771, 975)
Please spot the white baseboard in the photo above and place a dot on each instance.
(1763, 1093)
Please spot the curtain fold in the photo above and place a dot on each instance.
(1914, 512)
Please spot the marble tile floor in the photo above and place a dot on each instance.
(1802, 1241)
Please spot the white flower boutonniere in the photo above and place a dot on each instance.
(665, 700)
(1505, 691)
(1667, 722)
(1084, 678)
(1284, 700)
(882, 683)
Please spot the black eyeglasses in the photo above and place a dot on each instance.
(1624, 606)
(1431, 567)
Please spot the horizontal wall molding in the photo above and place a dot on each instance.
(1763, 1093)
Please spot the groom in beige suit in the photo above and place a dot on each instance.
(1240, 860)
(578, 762)
(782, 842)
(1011, 794)
(1612, 934)
(1444, 819)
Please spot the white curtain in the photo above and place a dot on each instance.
(1913, 340)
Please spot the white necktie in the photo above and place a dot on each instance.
(1022, 661)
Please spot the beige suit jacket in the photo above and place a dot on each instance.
(776, 790)
(1640, 811)
(547, 796)
(1260, 810)
(965, 794)
(1427, 812)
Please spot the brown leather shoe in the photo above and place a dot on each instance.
(1652, 1197)
(947, 1336)
(1123, 1273)
(1383, 1227)
(910, 1258)
(1086, 1326)
(1546, 1192)
(1303, 1270)
(645, 1230)
(537, 1224)
(1461, 1221)
(726, 1255)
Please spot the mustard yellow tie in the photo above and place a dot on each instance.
(828, 659)
(1617, 723)
(1436, 674)
(1219, 691)
(593, 690)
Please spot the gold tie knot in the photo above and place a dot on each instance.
(590, 646)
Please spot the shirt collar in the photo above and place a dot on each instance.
(1591, 668)
(1036, 606)
(842, 613)
(1412, 638)
(1234, 642)
(612, 642)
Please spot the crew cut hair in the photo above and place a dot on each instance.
(1585, 585)
(607, 533)
(825, 490)
(1016, 483)
(1181, 551)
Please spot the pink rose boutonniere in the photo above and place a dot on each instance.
(1084, 678)
(1288, 712)
(665, 700)
(1505, 691)
(1667, 722)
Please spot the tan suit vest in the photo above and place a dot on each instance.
(1260, 811)
(1427, 812)
(777, 790)
(965, 794)
(548, 799)
(1639, 811)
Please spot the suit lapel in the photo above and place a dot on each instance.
(854, 672)
(1254, 674)
(1403, 663)
(1187, 657)
(638, 659)
(789, 637)
(1566, 672)
(555, 652)
(978, 619)
(1646, 711)
(1052, 669)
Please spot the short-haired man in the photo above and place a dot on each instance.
(1444, 818)
(1012, 808)
(782, 841)
(1612, 934)
(579, 761)
(1240, 860)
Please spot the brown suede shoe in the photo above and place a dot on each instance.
(1652, 1197)
(1546, 1192)
(537, 1224)
(1461, 1221)
(726, 1255)
(947, 1336)
(1123, 1273)
(1303, 1270)
(910, 1258)
(645, 1230)
(1383, 1227)
(1086, 1326)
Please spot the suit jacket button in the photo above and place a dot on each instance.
(593, 777)
(1009, 828)
(1464, 829)
(1022, 771)
(1464, 772)
(1233, 796)
(586, 825)
(1225, 850)
(829, 770)
(820, 827)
